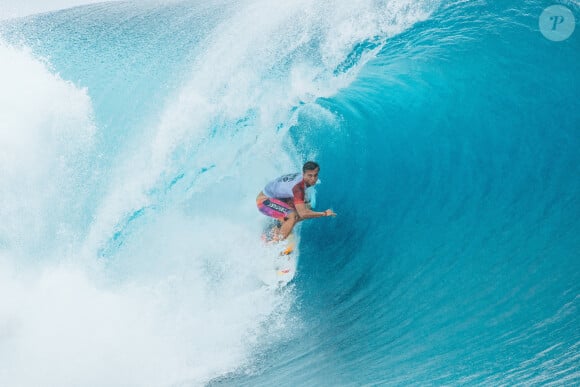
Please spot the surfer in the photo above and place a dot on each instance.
(285, 199)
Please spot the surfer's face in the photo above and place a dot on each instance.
(311, 177)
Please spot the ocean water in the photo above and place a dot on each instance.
(134, 137)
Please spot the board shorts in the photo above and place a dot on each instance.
(274, 208)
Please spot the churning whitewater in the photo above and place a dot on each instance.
(135, 136)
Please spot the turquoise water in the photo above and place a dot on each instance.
(135, 137)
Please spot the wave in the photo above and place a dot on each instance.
(143, 131)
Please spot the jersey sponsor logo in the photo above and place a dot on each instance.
(287, 178)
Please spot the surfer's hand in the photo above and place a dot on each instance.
(329, 212)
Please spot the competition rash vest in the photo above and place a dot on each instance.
(287, 187)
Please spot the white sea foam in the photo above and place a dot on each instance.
(46, 129)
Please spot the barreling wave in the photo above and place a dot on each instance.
(138, 135)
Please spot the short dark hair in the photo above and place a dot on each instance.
(310, 166)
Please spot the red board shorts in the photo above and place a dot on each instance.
(274, 208)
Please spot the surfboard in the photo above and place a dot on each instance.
(287, 260)
(282, 261)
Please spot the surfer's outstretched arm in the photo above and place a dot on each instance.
(306, 213)
(302, 212)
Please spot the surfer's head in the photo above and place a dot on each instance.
(310, 173)
(310, 166)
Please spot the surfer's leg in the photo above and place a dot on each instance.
(280, 211)
(288, 224)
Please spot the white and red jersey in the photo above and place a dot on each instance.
(288, 187)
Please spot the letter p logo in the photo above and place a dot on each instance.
(557, 23)
(557, 20)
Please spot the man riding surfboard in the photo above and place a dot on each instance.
(285, 199)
